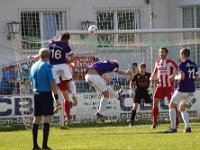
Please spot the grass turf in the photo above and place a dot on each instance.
(105, 136)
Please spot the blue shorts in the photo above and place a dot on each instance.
(43, 104)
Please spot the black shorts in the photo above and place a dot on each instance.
(142, 95)
(43, 104)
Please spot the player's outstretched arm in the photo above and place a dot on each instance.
(106, 77)
(121, 72)
(33, 56)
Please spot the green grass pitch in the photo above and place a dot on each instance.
(106, 136)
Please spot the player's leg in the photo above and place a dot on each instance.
(62, 75)
(57, 80)
(133, 112)
(72, 87)
(102, 106)
(36, 121)
(99, 84)
(46, 127)
(175, 100)
(172, 115)
(177, 117)
(158, 95)
(169, 94)
(113, 93)
(155, 112)
(47, 107)
(65, 95)
(184, 114)
(64, 88)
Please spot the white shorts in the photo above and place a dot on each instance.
(96, 81)
(61, 70)
(177, 97)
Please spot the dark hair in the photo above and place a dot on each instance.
(165, 49)
(134, 64)
(65, 36)
(11, 66)
(185, 52)
(143, 65)
(95, 59)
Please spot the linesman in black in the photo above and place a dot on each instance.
(139, 89)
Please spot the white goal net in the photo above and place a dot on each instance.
(125, 46)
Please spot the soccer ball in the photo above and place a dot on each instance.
(92, 29)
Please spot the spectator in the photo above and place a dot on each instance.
(8, 81)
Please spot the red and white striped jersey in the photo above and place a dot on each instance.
(164, 69)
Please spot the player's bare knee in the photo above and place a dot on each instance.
(47, 119)
(105, 94)
(135, 106)
(172, 105)
(37, 119)
(182, 106)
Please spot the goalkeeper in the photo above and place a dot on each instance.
(139, 89)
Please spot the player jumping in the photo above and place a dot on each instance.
(95, 76)
(59, 50)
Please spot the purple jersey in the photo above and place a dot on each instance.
(58, 52)
(190, 69)
(104, 66)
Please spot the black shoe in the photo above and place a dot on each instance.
(47, 148)
(154, 125)
(170, 130)
(187, 130)
(120, 91)
(36, 148)
(131, 125)
(100, 118)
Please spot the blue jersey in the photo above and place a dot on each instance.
(58, 52)
(104, 66)
(41, 76)
(190, 69)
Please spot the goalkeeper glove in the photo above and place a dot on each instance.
(131, 92)
(150, 90)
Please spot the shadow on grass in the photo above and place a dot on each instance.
(6, 128)
(111, 124)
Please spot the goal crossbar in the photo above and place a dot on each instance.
(139, 31)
